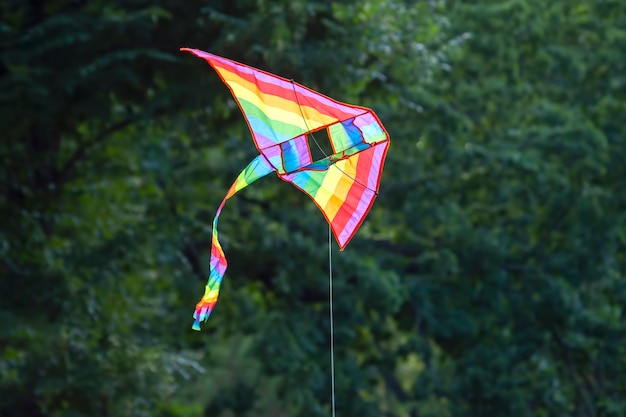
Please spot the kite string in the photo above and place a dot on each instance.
(330, 271)
(332, 333)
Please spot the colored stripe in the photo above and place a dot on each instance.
(344, 135)
(256, 169)
(361, 166)
(339, 196)
(285, 119)
(279, 86)
(338, 137)
(279, 107)
(356, 219)
(372, 130)
(373, 181)
(273, 130)
(295, 153)
(328, 186)
(303, 151)
(305, 181)
(274, 156)
(341, 190)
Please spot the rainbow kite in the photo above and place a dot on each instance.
(280, 114)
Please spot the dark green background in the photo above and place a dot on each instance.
(488, 280)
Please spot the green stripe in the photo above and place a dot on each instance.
(338, 136)
(283, 128)
(314, 183)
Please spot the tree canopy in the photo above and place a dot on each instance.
(488, 279)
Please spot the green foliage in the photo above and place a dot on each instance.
(514, 253)
(487, 280)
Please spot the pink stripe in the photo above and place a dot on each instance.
(365, 120)
(302, 148)
(364, 203)
(218, 264)
(220, 269)
(263, 141)
(271, 151)
(379, 151)
(280, 82)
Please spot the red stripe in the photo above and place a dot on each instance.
(217, 254)
(353, 198)
(287, 93)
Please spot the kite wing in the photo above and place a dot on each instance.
(280, 113)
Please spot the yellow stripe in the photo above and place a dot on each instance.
(339, 197)
(233, 189)
(211, 295)
(277, 108)
(348, 165)
(283, 114)
(327, 188)
(348, 168)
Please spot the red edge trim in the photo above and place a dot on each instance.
(369, 207)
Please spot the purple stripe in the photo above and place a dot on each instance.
(271, 151)
(302, 148)
(215, 260)
(364, 120)
(379, 151)
(358, 214)
(274, 157)
(341, 109)
(263, 142)
(219, 269)
(281, 83)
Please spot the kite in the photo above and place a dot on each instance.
(280, 114)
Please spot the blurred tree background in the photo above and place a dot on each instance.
(488, 280)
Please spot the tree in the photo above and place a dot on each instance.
(514, 251)
(112, 141)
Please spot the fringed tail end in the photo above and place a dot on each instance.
(205, 307)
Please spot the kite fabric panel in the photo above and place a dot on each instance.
(280, 115)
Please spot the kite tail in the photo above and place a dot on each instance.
(218, 269)
(259, 167)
